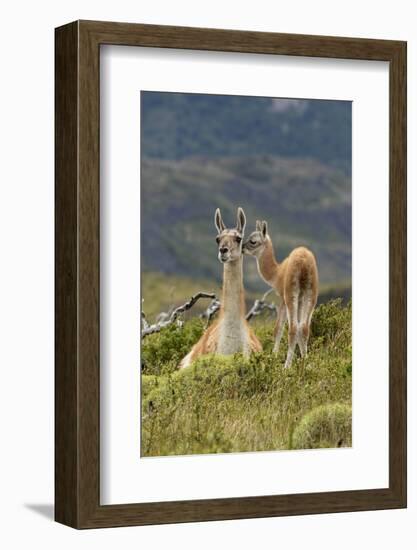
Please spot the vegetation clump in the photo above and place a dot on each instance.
(324, 426)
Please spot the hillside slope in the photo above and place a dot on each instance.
(304, 201)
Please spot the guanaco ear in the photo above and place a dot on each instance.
(264, 228)
(218, 222)
(258, 225)
(241, 220)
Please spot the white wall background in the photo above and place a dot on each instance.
(26, 272)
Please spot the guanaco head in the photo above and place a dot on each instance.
(254, 245)
(229, 241)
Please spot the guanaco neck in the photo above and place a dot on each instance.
(268, 266)
(233, 305)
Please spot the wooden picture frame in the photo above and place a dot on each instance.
(77, 372)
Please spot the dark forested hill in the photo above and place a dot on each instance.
(175, 126)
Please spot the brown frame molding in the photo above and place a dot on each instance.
(77, 359)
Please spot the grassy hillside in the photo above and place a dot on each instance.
(235, 404)
(304, 201)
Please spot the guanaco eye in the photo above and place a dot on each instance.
(238, 239)
(218, 240)
(252, 241)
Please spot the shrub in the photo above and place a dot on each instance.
(331, 320)
(325, 426)
(162, 352)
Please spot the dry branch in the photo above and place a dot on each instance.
(212, 309)
(166, 320)
(260, 305)
(145, 323)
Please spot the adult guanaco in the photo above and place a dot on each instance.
(230, 333)
(295, 280)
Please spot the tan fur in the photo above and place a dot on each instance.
(295, 280)
(230, 333)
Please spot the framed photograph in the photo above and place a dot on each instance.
(230, 274)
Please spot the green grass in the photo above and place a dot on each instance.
(235, 404)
